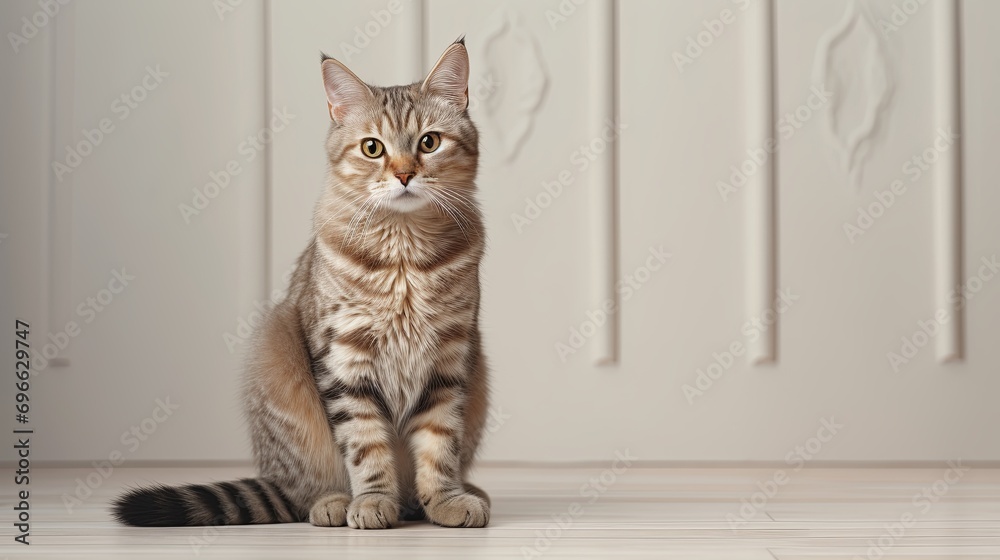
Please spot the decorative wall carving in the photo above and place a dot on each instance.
(851, 140)
(513, 60)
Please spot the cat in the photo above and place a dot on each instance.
(366, 390)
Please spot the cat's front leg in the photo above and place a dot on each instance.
(435, 433)
(363, 429)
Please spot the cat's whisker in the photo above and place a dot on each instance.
(457, 215)
(354, 218)
(377, 207)
(449, 186)
(463, 199)
(452, 212)
(355, 221)
(340, 210)
(354, 198)
(454, 204)
(361, 226)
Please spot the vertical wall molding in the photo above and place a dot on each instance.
(947, 177)
(761, 247)
(947, 174)
(60, 193)
(601, 57)
(268, 149)
(415, 34)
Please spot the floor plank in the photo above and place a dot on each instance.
(815, 514)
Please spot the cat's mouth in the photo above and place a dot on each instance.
(407, 200)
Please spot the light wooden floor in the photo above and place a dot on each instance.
(639, 513)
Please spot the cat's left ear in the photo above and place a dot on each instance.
(450, 76)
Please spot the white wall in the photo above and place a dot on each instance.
(162, 335)
(555, 81)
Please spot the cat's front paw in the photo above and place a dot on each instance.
(463, 510)
(330, 511)
(372, 511)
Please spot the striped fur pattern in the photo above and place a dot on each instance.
(366, 391)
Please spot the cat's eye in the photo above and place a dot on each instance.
(372, 148)
(430, 142)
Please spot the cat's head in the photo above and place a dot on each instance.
(403, 148)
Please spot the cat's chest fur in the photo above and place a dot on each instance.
(401, 303)
(402, 313)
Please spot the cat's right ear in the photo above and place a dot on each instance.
(344, 91)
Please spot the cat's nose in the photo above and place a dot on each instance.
(404, 177)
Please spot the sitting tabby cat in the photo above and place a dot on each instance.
(366, 390)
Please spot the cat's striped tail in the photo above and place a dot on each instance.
(241, 502)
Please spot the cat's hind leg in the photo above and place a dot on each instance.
(293, 444)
